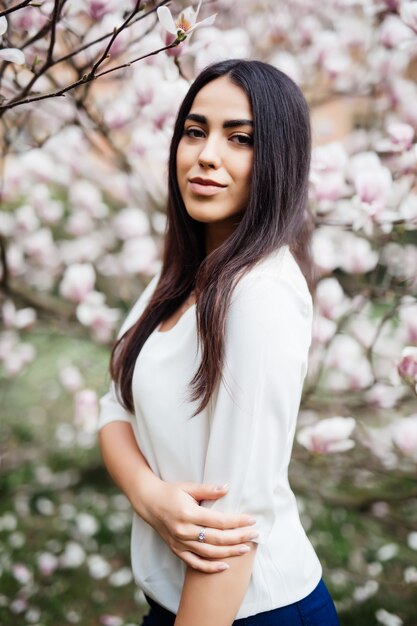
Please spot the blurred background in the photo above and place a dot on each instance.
(89, 91)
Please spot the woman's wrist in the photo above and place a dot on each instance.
(144, 495)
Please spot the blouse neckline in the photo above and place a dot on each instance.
(178, 322)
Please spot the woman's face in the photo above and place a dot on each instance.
(215, 153)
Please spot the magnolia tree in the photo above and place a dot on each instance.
(88, 95)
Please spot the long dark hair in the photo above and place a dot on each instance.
(276, 215)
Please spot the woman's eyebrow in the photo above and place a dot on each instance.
(201, 119)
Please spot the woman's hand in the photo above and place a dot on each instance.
(172, 509)
(174, 512)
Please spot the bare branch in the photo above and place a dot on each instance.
(4, 282)
(58, 4)
(107, 35)
(82, 81)
(15, 8)
(116, 32)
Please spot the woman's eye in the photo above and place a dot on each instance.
(194, 132)
(243, 140)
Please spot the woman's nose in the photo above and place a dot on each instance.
(210, 154)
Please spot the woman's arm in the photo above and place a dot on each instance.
(173, 509)
(215, 600)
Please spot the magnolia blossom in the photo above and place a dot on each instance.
(94, 313)
(78, 281)
(407, 367)
(98, 567)
(328, 435)
(12, 318)
(86, 410)
(408, 319)
(185, 24)
(13, 55)
(408, 13)
(71, 378)
(131, 222)
(331, 298)
(404, 435)
(394, 32)
(401, 134)
(373, 187)
(357, 255)
(47, 563)
(73, 555)
(13, 354)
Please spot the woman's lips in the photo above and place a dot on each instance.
(205, 190)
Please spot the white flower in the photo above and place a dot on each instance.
(328, 435)
(13, 318)
(47, 563)
(73, 555)
(185, 23)
(87, 524)
(77, 282)
(86, 410)
(388, 619)
(94, 313)
(404, 435)
(13, 55)
(98, 567)
(70, 378)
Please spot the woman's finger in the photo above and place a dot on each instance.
(228, 542)
(204, 517)
(208, 551)
(200, 491)
(202, 565)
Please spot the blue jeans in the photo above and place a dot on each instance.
(316, 609)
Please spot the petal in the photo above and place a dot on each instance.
(208, 21)
(166, 19)
(190, 15)
(340, 446)
(3, 25)
(198, 9)
(13, 55)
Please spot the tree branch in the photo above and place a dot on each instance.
(87, 78)
(15, 8)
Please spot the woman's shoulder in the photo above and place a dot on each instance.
(277, 274)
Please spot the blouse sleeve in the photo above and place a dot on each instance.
(111, 409)
(267, 339)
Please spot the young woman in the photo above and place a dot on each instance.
(209, 367)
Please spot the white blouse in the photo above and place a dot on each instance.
(243, 437)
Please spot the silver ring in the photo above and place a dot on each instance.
(202, 535)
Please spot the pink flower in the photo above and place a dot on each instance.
(21, 573)
(373, 187)
(13, 318)
(401, 134)
(331, 298)
(393, 32)
(78, 281)
(86, 410)
(71, 378)
(47, 563)
(94, 314)
(404, 435)
(407, 367)
(328, 436)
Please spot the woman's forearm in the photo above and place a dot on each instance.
(214, 599)
(127, 465)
